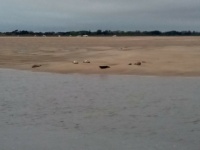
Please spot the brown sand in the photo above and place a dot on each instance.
(162, 55)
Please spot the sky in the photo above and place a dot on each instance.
(127, 15)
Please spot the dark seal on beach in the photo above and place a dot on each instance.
(36, 66)
(104, 67)
(138, 63)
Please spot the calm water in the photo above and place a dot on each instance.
(43, 111)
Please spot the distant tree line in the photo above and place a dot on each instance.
(101, 33)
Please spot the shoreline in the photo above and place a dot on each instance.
(107, 73)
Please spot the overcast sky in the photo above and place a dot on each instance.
(66, 15)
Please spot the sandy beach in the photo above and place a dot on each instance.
(160, 55)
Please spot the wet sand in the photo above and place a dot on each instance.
(44, 111)
(162, 55)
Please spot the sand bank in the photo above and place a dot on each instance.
(162, 55)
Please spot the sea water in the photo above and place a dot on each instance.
(45, 111)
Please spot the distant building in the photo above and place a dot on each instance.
(85, 35)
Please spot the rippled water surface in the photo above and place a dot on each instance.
(43, 111)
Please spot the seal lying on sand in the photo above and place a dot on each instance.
(104, 67)
(36, 66)
(75, 62)
(86, 61)
(138, 63)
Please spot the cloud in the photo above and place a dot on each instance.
(63, 15)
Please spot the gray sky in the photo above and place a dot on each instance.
(66, 15)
